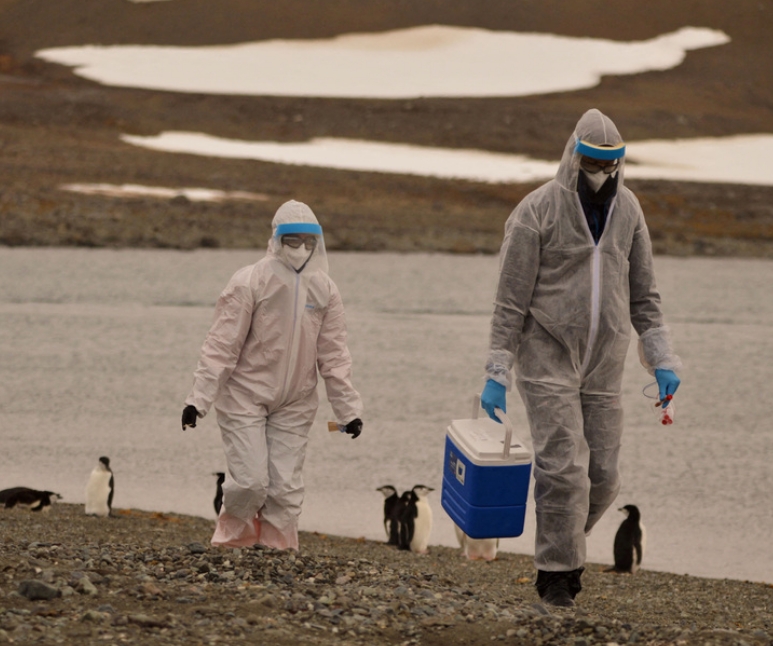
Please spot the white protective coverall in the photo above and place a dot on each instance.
(562, 317)
(274, 327)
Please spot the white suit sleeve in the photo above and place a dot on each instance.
(646, 315)
(335, 362)
(518, 268)
(222, 346)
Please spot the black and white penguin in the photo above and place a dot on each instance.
(26, 497)
(630, 541)
(416, 520)
(391, 514)
(99, 489)
(219, 491)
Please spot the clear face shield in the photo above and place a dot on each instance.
(297, 248)
(298, 243)
(599, 162)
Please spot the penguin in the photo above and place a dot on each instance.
(477, 549)
(630, 541)
(418, 515)
(405, 511)
(219, 491)
(32, 498)
(391, 514)
(100, 489)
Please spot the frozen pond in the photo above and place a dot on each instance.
(740, 159)
(99, 346)
(424, 61)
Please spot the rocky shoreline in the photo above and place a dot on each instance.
(152, 578)
(684, 220)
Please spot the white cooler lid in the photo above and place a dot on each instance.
(482, 440)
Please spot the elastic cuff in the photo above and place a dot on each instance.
(655, 350)
(499, 366)
(200, 410)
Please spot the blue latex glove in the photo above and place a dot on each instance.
(493, 396)
(668, 382)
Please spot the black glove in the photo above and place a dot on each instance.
(190, 415)
(354, 428)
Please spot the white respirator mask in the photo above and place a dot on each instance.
(297, 257)
(596, 180)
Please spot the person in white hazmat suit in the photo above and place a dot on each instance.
(276, 324)
(576, 271)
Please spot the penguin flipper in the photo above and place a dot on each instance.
(637, 556)
(394, 532)
(110, 496)
(405, 532)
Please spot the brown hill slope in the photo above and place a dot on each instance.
(56, 128)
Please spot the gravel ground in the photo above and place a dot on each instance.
(151, 578)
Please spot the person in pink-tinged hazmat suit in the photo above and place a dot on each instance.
(278, 324)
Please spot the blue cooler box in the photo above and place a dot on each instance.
(484, 485)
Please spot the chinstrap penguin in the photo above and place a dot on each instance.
(630, 541)
(416, 520)
(25, 497)
(391, 514)
(99, 489)
(477, 549)
(218, 502)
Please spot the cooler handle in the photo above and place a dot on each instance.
(502, 417)
(508, 430)
(475, 406)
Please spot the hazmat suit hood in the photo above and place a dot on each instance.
(297, 217)
(594, 136)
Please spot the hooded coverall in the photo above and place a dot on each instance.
(274, 328)
(562, 318)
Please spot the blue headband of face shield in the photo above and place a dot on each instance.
(298, 227)
(599, 152)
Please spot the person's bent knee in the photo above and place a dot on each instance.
(605, 484)
(604, 493)
(570, 481)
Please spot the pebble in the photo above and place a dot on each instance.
(157, 582)
(37, 590)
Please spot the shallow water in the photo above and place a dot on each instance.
(98, 349)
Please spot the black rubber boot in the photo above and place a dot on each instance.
(559, 588)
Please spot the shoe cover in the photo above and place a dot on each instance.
(234, 532)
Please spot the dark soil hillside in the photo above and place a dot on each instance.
(57, 128)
